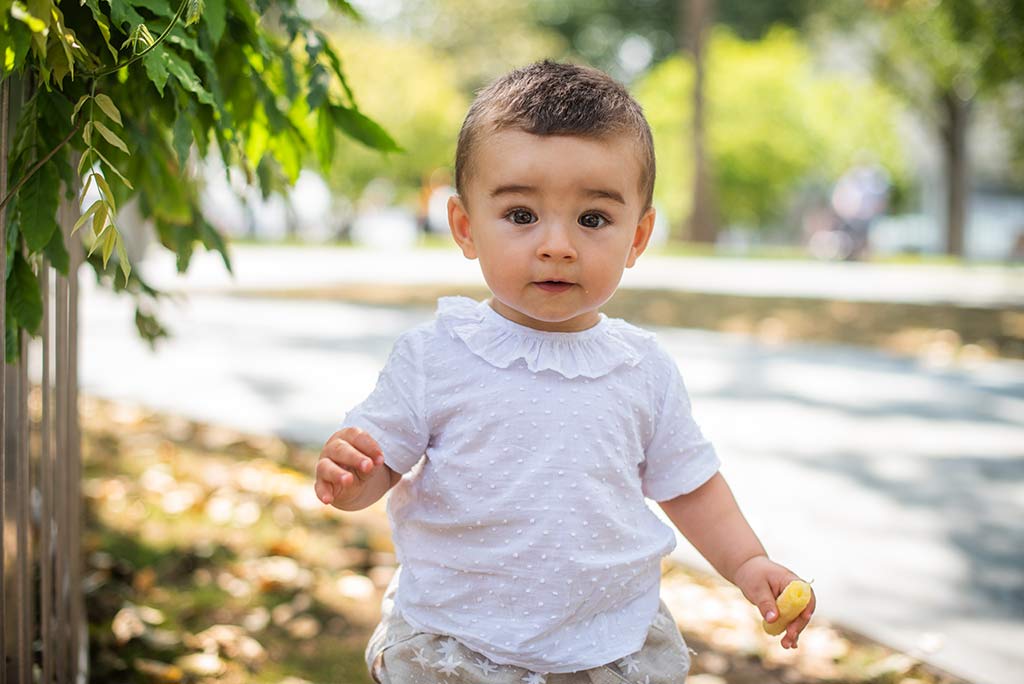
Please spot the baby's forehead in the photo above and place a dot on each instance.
(490, 143)
(489, 134)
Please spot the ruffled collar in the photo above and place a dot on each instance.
(591, 353)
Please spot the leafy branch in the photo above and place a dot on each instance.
(264, 89)
(103, 210)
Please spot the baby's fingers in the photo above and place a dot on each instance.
(331, 479)
(794, 628)
(347, 455)
(364, 443)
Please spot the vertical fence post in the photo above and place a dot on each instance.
(5, 96)
(42, 617)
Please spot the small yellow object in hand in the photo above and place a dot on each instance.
(791, 602)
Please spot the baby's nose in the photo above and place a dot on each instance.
(556, 244)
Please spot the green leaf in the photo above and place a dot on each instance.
(34, 23)
(78, 105)
(17, 45)
(324, 140)
(193, 12)
(105, 191)
(23, 296)
(85, 190)
(122, 256)
(111, 137)
(99, 225)
(57, 253)
(102, 23)
(363, 129)
(110, 167)
(37, 206)
(109, 242)
(83, 162)
(182, 137)
(213, 240)
(156, 69)
(87, 133)
(335, 61)
(161, 8)
(67, 40)
(139, 35)
(215, 16)
(183, 72)
(319, 86)
(347, 8)
(122, 13)
(93, 208)
(109, 108)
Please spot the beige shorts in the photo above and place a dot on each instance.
(399, 654)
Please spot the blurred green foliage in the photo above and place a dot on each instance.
(775, 122)
(413, 92)
(928, 51)
(596, 29)
(257, 84)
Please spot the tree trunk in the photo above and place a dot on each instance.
(702, 222)
(953, 131)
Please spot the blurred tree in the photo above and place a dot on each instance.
(415, 91)
(941, 56)
(702, 223)
(774, 122)
(484, 38)
(624, 38)
(122, 91)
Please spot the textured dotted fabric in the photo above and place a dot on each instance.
(520, 523)
(397, 653)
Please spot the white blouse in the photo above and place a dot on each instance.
(520, 523)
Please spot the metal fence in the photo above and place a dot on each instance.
(43, 636)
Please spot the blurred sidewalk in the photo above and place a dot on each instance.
(894, 483)
(259, 267)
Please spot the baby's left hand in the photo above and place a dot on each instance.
(762, 580)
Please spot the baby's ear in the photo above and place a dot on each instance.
(458, 223)
(641, 237)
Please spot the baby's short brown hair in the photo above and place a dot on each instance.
(547, 98)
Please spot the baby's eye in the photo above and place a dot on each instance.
(592, 220)
(522, 217)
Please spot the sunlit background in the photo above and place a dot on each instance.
(836, 269)
(830, 129)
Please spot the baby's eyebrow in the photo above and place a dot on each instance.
(528, 189)
(607, 194)
(512, 190)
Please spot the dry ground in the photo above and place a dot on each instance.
(209, 559)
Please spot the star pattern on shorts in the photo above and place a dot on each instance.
(534, 678)
(448, 665)
(629, 664)
(421, 658)
(486, 666)
(447, 647)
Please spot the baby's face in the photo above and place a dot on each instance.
(554, 220)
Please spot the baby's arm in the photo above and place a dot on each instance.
(711, 520)
(351, 473)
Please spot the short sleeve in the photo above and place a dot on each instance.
(678, 459)
(393, 414)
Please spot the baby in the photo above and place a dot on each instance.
(521, 435)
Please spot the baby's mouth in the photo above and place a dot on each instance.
(553, 285)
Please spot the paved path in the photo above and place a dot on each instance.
(897, 486)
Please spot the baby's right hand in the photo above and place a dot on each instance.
(347, 461)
